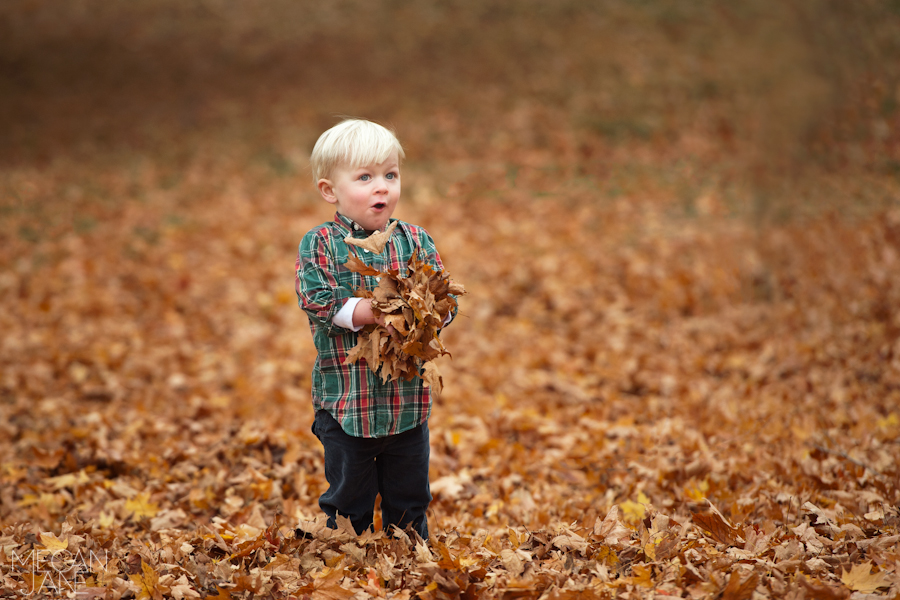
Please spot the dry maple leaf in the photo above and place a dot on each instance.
(860, 578)
(147, 583)
(375, 242)
(140, 506)
(53, 543)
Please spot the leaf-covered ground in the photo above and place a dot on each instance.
(676, 371)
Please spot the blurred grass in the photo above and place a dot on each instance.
(773, 108)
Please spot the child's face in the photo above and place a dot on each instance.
(368, 194)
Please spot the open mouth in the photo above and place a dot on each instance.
(379, 205)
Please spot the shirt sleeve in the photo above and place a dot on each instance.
(344, 317)
(318, 292)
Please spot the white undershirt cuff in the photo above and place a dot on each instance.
(344, 317)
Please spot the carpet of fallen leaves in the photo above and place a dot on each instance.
(664, 382)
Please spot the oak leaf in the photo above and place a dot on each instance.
(375, 242)
(413, 309)
(357, 266)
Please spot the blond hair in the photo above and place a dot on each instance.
(352, 143)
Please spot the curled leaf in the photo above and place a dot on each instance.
(375, 242)
(414, 309)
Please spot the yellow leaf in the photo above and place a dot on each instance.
(697, 491)
(428, 588)
(606, 555)
(650, 547)
(140, 506)
(861, 579)
(68, 480)
(892, 420)
(642, 575)
(106, 519)
(53, 543)
(633, 511)
(147, 582)
(34, 581)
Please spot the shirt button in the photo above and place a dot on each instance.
(378, 279)
(366, 251)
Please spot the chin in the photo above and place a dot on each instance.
(381, 224)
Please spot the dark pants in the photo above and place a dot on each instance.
(358, 469)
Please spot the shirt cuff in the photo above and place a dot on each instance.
(344, 317)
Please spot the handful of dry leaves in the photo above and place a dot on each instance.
(414, 309)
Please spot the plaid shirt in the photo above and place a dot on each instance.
(351, 393)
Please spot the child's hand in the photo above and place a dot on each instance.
(364, 315)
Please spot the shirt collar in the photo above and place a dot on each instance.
(352, 226)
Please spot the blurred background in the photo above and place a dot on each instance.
(705, 95)
(661, 209)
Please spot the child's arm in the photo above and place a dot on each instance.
(318, 291)
(356, 314)
(363, 314)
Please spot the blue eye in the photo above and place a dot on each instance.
(364, 177)
(391, 176)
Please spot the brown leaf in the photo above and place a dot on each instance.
(375, 242)
(717, 527)
(822, 591)
(357, 266)
(328, 586)
(410, 307)
(223, 594)
(432, 377)
(740, 589)
(610, 529)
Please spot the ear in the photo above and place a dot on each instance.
(326, 189)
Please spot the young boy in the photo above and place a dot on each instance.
(375, 434)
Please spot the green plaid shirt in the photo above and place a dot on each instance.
(351, 393)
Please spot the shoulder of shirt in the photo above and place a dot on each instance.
(413, 229)
(320, 231)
